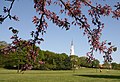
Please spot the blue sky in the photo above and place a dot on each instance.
(57, 39)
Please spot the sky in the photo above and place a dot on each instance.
(56, 39)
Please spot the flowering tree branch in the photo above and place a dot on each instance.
(8, 11)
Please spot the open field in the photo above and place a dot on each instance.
(81, 75)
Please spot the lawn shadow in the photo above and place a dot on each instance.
(99, 76)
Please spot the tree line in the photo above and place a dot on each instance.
(47, 60)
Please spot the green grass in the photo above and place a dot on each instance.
(81, 75)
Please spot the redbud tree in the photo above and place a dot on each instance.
(71, 9)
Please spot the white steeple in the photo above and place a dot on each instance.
(72, 49)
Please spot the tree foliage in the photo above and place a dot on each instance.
(115, 65)
(46, 60)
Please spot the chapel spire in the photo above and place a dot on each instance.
(72, 48)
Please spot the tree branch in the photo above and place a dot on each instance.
(9, 10)
(76, 18)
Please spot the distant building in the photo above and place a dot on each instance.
(72, 49)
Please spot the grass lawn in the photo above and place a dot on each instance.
(81, 75)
